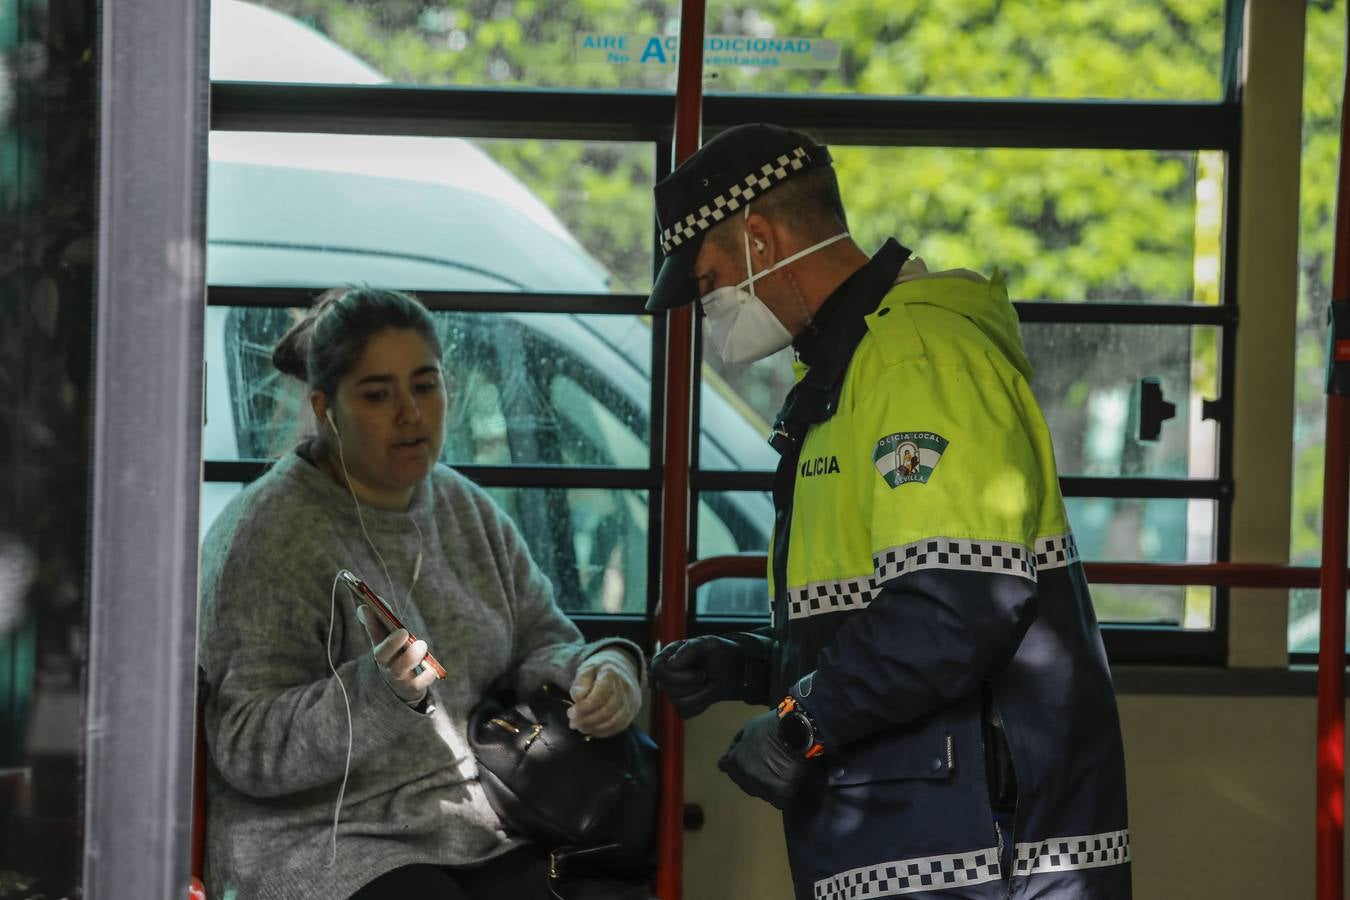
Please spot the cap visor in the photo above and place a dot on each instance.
(674, 287)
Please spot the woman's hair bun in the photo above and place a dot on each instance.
(291, 354)
(329, 339)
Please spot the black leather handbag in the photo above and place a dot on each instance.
(590, 802)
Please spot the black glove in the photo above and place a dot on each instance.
(761, 764)
(698, 672)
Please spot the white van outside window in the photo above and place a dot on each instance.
(555, 390)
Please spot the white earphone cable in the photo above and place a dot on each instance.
(347, 703)
(332, 616)
(347, 478)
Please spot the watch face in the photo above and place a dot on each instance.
(795, 732)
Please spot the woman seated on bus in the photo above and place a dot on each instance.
(339, 761)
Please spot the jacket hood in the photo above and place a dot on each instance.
(982, 301)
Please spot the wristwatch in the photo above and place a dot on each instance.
(797, 729)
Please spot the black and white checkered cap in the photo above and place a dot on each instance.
(731, 170)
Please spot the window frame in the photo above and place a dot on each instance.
(647, 116)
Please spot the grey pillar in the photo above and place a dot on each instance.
(147, 453)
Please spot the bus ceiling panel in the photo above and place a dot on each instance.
(647, 116)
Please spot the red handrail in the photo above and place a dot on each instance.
(670, 622)
(1336, 486)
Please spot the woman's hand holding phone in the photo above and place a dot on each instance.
(399, 661)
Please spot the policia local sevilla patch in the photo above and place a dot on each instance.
(908, 456)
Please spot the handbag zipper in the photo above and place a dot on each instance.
(534, 736)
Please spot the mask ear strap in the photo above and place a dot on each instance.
(799, 254)
(745, 236)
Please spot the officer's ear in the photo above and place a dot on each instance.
(763, 240)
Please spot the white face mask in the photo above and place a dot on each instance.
(742, 329)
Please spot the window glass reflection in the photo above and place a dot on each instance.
(529, 389)
(424, 213)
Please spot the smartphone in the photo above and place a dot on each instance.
(373, 600)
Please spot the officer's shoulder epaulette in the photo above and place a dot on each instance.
(894, 329)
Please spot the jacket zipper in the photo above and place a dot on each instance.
(1005, 876)
(1017, 803)
(951, 757)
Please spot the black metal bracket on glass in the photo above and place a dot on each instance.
(1217, 410)
(1153, 409)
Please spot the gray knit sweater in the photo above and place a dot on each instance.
(276, 723)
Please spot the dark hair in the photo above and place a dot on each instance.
(809, 204)
(325, 344)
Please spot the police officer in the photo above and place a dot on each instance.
(945, 723)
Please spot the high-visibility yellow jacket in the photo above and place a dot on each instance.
(926, 589)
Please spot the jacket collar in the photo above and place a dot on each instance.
(828, 343)
(858, 296)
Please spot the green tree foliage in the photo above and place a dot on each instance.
(1067, 225)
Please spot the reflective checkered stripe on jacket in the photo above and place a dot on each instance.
(992, 557)
(1091, 851)
(940, 873)
(909, 876)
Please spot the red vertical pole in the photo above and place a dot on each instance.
(1336, 490)
(670, 623)
(1331, 662)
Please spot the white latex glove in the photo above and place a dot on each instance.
(398, 659)
(606, 694)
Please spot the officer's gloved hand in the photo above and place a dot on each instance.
(698, 672)
(761, 764)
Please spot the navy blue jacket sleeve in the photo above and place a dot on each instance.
(926, 640)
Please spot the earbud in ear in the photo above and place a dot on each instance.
(328, 415)
(759, 245)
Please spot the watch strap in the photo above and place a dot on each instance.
(789, 706)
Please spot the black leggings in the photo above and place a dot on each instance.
(521, 874)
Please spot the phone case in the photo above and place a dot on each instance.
(391, 621)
